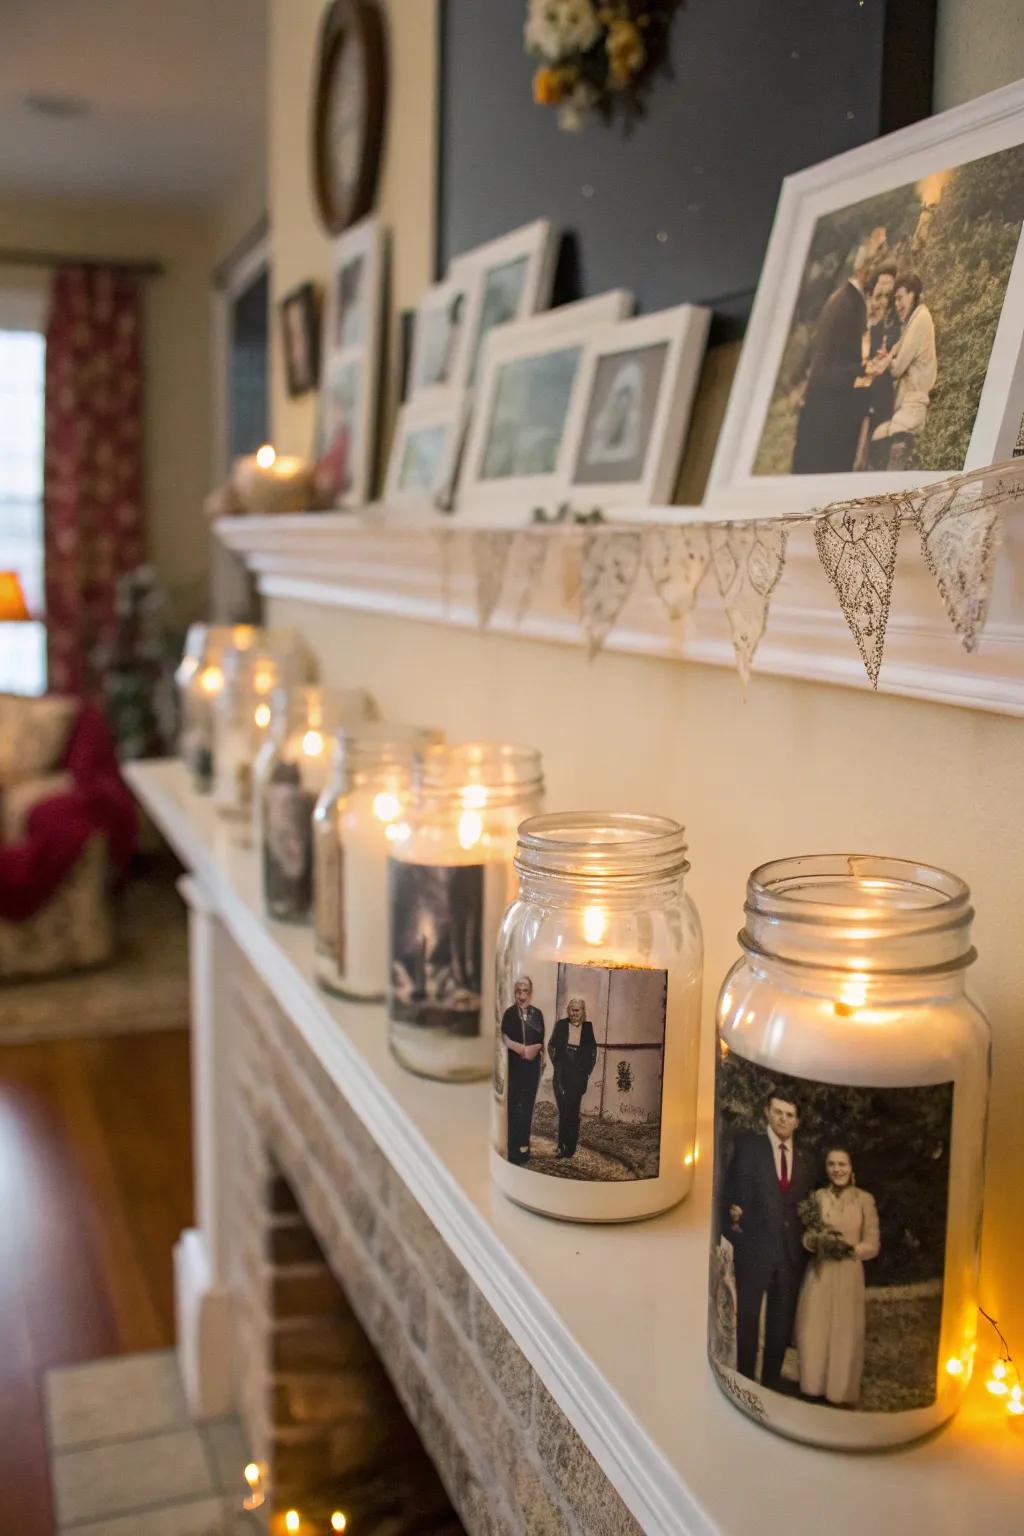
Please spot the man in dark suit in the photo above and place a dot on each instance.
(768, 1177)
(830, 416)
(522, 1031)
(573, 1052)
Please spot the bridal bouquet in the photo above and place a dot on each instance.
(819, 1238)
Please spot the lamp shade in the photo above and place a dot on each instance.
(13, 608)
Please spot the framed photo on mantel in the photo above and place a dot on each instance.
(885, 345)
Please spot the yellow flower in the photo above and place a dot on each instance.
(550, 86)
(626, 53)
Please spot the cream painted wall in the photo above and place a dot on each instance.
(797, 767)
(405, 205)
(177, 382)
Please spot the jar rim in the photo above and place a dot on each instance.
(601, 845)
(887, 912)
(507, 769)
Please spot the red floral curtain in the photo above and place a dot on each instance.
(93, 466)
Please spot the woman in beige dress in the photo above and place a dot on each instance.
(830, 1316)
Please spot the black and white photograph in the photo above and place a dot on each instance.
(829, 1236)
(620, 416)
(436, 945)
(287, 843)
(529, 406)
(895, 318)
(579, 1072)
(300, 330)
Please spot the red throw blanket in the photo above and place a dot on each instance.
(57, 830)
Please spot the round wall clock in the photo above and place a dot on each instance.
(348, 115)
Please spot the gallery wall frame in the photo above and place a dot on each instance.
(652, 362)
(931, 160)
(424, 450)
(505, 279)
(352, 340)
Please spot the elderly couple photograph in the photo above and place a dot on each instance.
(829, 1240)
(572, 1051)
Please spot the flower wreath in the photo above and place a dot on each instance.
(595, 58)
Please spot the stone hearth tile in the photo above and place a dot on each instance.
(192, 1517)
(107, 1480)
(108, 1399)
(228, 1452)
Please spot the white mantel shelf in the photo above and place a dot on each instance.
(611, 1318)
(376, 565)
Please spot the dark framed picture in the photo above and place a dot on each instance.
(300, 331)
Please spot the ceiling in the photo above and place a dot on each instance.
(177, 91)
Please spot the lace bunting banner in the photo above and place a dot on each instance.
(748, 559)
(533, 555)
(445, 540)
(491, 553)
(960, 535)
(610, 563)
(677, 561)
(858, 551)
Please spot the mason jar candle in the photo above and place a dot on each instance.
(200, 679)
(356, 822)
(850, 1101)
(241, 718)
(450, 878)
(597, 1020)
(291, 772)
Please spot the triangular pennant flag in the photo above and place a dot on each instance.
(677, 560)
(533, 549)
(748, 559)
(608, 572)
(490, 558)
(858, 552)
(445, 539)
(959, 539)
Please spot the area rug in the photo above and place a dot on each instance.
(144, 987)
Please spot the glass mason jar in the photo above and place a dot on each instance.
(597, 1020)
(200, 678)
(449, 880)
(355, 824)
(850, 1102)
(291, 772)
(241, 718)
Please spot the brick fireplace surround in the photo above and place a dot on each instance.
(509, 1459)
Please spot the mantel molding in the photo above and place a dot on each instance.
(339, 560)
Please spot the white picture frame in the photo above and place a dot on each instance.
(909, 158)
(631, 410)
(351, 358)
(532, 251)
(437, 418)
(511, 379)
(440, 352)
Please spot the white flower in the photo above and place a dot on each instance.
(555, 28)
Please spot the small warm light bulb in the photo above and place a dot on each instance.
(313, 744)
(265, 457)
(1016, 1403)
(595, 920)
(386, 806)
(474, 797)
(999, 1370)
(211, 680)
(997, 1387)
(292, 1521)
(955, 1366)
(261, 716)
(471, 828)
(338, 1521)
(253, 1475)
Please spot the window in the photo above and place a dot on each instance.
(22, 384)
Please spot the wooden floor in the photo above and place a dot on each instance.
(95, 1188)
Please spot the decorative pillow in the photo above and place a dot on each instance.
(18, 799)
(33, 735)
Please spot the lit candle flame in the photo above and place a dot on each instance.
(474, 797)
(313, 744)
(471, 827)
(211, 680)
(253, 1475)
(595, 920)
(292, 1521)
(265, 458)
(338, 1521)
(386, 806)
(261, 716)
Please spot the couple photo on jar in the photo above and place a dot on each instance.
(893, 325)
(829, 1244)
(578, 1072)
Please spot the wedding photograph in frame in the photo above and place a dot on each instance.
(424, 451)
(516, 454)
(884, 348)
(505, 280)
(350, 364)
(632, 407)
(439, 338)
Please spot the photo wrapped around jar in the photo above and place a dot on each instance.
(597, 1022)
(851, 1095)
(358, 818)
(450, 878)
